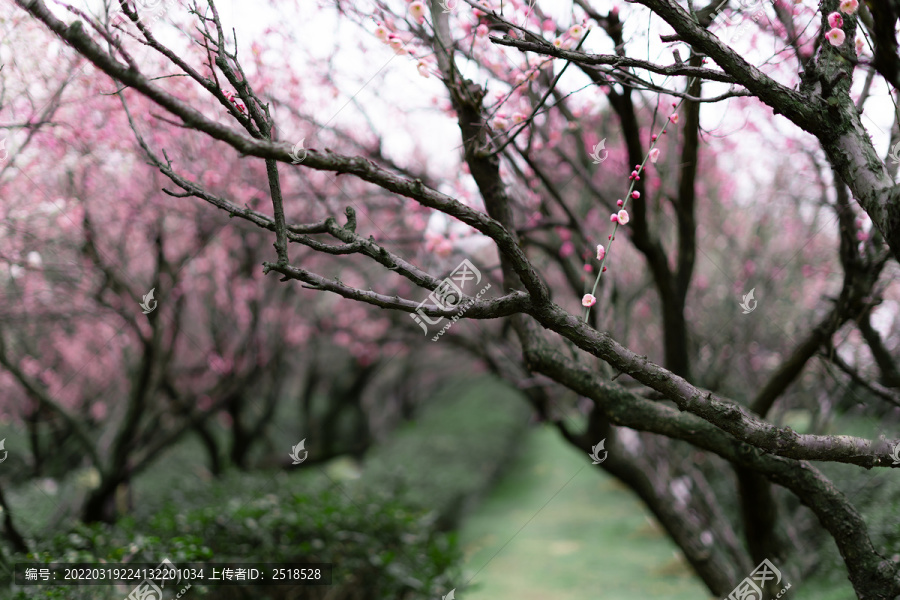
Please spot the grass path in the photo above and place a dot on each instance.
(558, 527)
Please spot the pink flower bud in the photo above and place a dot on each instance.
(614, 218)
(835, 20)
(635, 195)
(601, 251)
(619, 203)
(654, 155)
(674, 118)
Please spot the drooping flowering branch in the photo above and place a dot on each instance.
(622, 217)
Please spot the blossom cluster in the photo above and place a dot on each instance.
(836, 35)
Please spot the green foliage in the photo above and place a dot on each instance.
(383, 534)
(386, 549)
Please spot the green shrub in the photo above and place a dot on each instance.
(379, 550)
(384, 534)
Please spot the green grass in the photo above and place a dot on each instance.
(558, 527)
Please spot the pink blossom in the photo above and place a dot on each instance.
(848, 7)
(635, 195)
(836, 36)
(589, 300)
(381, 32)
(576, 32)
(623, 217)
(444, 248)
(396, 43)
(654, 155)
(481, 30)
(835, 20)
(417, 10)
(98, 411)
(500, 122)
(601, 251)
(674, 118)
